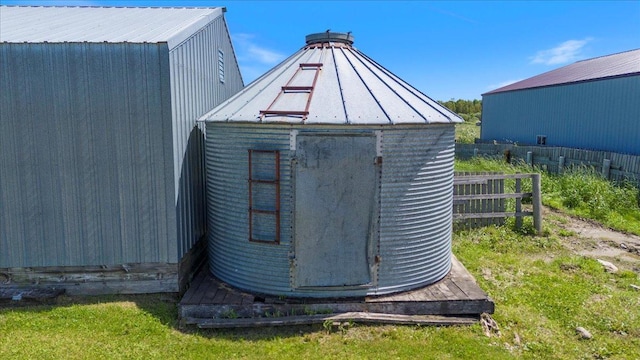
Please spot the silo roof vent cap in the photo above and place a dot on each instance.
(328, 36)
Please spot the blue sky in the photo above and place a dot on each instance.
(446, 49)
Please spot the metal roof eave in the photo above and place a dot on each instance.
(498, 91)
(188, 31)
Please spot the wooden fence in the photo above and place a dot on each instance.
(480, 199)
(613, 166)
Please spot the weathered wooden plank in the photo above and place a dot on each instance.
(121, 287)
(193, 289)
(191, 262)
(484, 196)
(96, 280)
(210, 292)
(459, 294)
(437, 294)
(480, 179)
(220, 296)
(491, 215)
(444, 289)
(197, 293)
(360, 317)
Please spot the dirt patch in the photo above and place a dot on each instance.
(590, 239)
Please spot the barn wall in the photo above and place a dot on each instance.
(85, 146)
(596, 115)
(196, 88)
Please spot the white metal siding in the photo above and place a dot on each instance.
(85, 146)
(195, 89)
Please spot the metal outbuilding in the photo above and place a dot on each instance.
(329, 176)
(101, 159)
(591, 104)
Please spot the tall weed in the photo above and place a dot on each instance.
(580, 191)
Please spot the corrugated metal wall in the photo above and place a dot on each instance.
(415, 207)
(196, 89)
(597, 115)
(249, 265)
(85, 146)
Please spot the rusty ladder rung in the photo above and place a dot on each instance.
(297, 88)
(284, 112)
(310, 65)
(293, 89)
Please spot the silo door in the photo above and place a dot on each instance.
(335, 210)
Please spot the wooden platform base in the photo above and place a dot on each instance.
(456, 299)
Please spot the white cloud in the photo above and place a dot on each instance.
(253, 59)
(263, 55)
(565, 52)
(247, 50)
(501, 84)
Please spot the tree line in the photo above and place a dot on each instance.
(463, 106)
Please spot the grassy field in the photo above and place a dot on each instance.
(542, 290)
(468, 131)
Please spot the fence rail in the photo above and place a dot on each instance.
(479, 199)
(554, 159)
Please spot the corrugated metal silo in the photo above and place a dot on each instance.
(329, 177)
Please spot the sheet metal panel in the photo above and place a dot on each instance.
(232, 257)
(257, 96)
(84, 155)
(335, 210)
(596, 115)
(361, 106)
(416, 206)
(37, 24)
(351, 89)
(424, 105)
(196, 88)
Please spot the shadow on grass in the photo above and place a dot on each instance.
(164, 308)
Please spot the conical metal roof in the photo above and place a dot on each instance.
(329, 81)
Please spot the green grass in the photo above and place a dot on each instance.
(468, 131)
(579, 191)
(542, 293)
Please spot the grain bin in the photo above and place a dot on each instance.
(329, 176)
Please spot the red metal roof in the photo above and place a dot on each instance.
(621, 64)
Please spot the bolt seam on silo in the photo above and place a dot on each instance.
(366, 86)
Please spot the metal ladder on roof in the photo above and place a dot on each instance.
(288, 89)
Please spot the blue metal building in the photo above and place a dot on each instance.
(101, 158)
(591, 104)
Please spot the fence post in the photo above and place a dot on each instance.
(530, 158)
(606, 167)
(560, 165)
(537, 202)
(475, 152)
